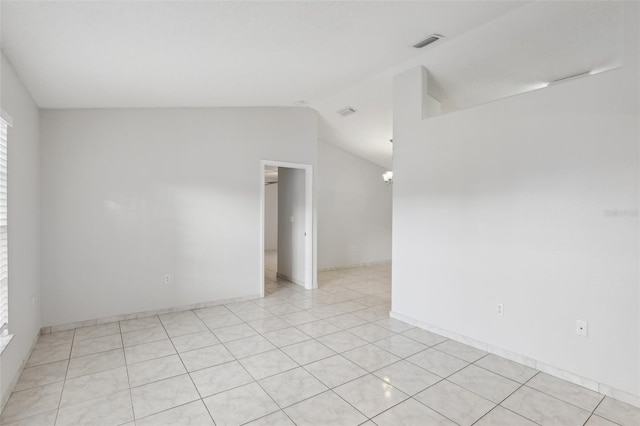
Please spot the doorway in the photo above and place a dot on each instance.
(287, 224)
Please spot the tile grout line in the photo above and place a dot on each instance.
(437, 375)
(159, 380)
(544, 393)
(332, 389)
(353, 297)
(220, 343)
(502, 375)
(126, 365)
(184, 365)
(189, 372)
(255, 380)
(73, 339)
(593, 413)
(521, 385)
(556, 398)
(315, 339)
(446, 377)
(310, 373)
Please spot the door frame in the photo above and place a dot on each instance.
(310, 282)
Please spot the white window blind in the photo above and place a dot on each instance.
(4, 273)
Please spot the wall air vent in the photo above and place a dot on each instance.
(347, 111)
(432, 38)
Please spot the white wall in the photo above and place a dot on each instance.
(291, 238)
(271, 216)
(506, 202)
(354, 210)
(24, 225)
(131, 195)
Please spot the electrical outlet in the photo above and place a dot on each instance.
(33, 300)
(500, 309)
(167, 279)
(582, 328)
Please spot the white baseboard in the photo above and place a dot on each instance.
(16, 376)
(287, 278)
(124, 317)
(593, 385)
(358, 265)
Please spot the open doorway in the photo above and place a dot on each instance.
(286, 218)
(271, 223)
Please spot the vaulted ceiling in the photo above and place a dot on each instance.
(324, 55)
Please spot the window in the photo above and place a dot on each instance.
(4, 275)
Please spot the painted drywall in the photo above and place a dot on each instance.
(24, 225)
(291, 224)
(130, 195)
(271, 216)
(530, 201)
(354, 210)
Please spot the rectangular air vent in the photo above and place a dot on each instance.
(347, 111)
(570, 77)
(432, 38)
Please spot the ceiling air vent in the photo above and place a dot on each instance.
(570, 77)
(345, 112)
(432, 38)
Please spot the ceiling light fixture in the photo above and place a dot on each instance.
(431, 38)
(387, 177)
(347, 111)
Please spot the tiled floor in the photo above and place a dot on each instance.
(325, 357)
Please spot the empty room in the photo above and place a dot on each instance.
(374, 213)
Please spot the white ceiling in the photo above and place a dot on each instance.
(515, 53)
(329, 54)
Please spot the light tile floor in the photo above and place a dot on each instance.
(326, 357)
